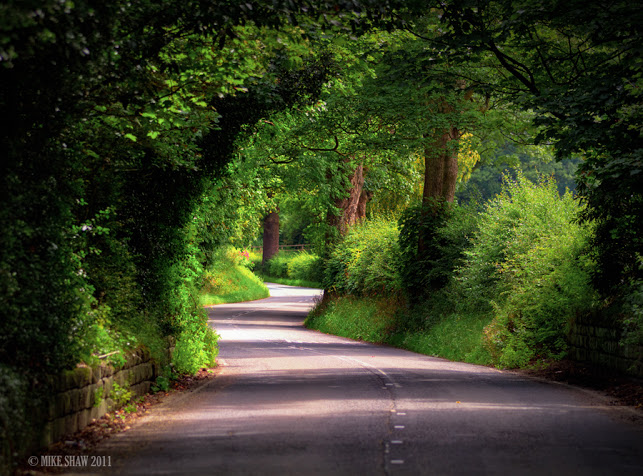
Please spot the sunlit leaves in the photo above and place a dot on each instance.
(467, 158)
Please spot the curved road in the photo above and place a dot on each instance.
(291, 401)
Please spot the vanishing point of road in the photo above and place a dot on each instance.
(291, 401)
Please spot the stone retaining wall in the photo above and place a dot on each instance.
(78, 396)
(599, 342)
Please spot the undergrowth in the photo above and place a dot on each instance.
(230, 279)
(298, 268)
(380, 320)
(499, 286)
(370, 319)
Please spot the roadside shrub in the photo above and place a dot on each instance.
(527, 262)
(196, 342)
(196, 346)
(433, 238)
(305, 266)
(299, 265)
(420, 245)
(366, 261)
(278, 265)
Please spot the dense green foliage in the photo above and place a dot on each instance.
(145, 137)
(365, 262)
(527, 262)
(577, 66)
(116, 190)
(229, 278)
(114, 186)
(504, 286)
(294, 267)
(445, 232)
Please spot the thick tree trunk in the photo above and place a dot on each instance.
(441, 168)
(440, 176)
(364, 198)
(270, 236)
(353, 207)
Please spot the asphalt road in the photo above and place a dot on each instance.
(290, 401)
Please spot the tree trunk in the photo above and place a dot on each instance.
(441, 168)
(353, 207)
(440, 177)
(270, 236)
(364, 198)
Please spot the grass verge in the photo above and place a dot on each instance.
(289, 281)
(229, 279)
(384, 321)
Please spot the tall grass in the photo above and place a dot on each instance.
(366, 318)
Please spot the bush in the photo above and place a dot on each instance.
(196, 346)
(298, 266)
(277, 266)
(366, 261)
(527, 262)
(444, 231)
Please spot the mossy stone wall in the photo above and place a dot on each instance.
(78, 396)
(599, 341)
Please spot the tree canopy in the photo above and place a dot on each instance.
(145, 134)
(141, 136)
